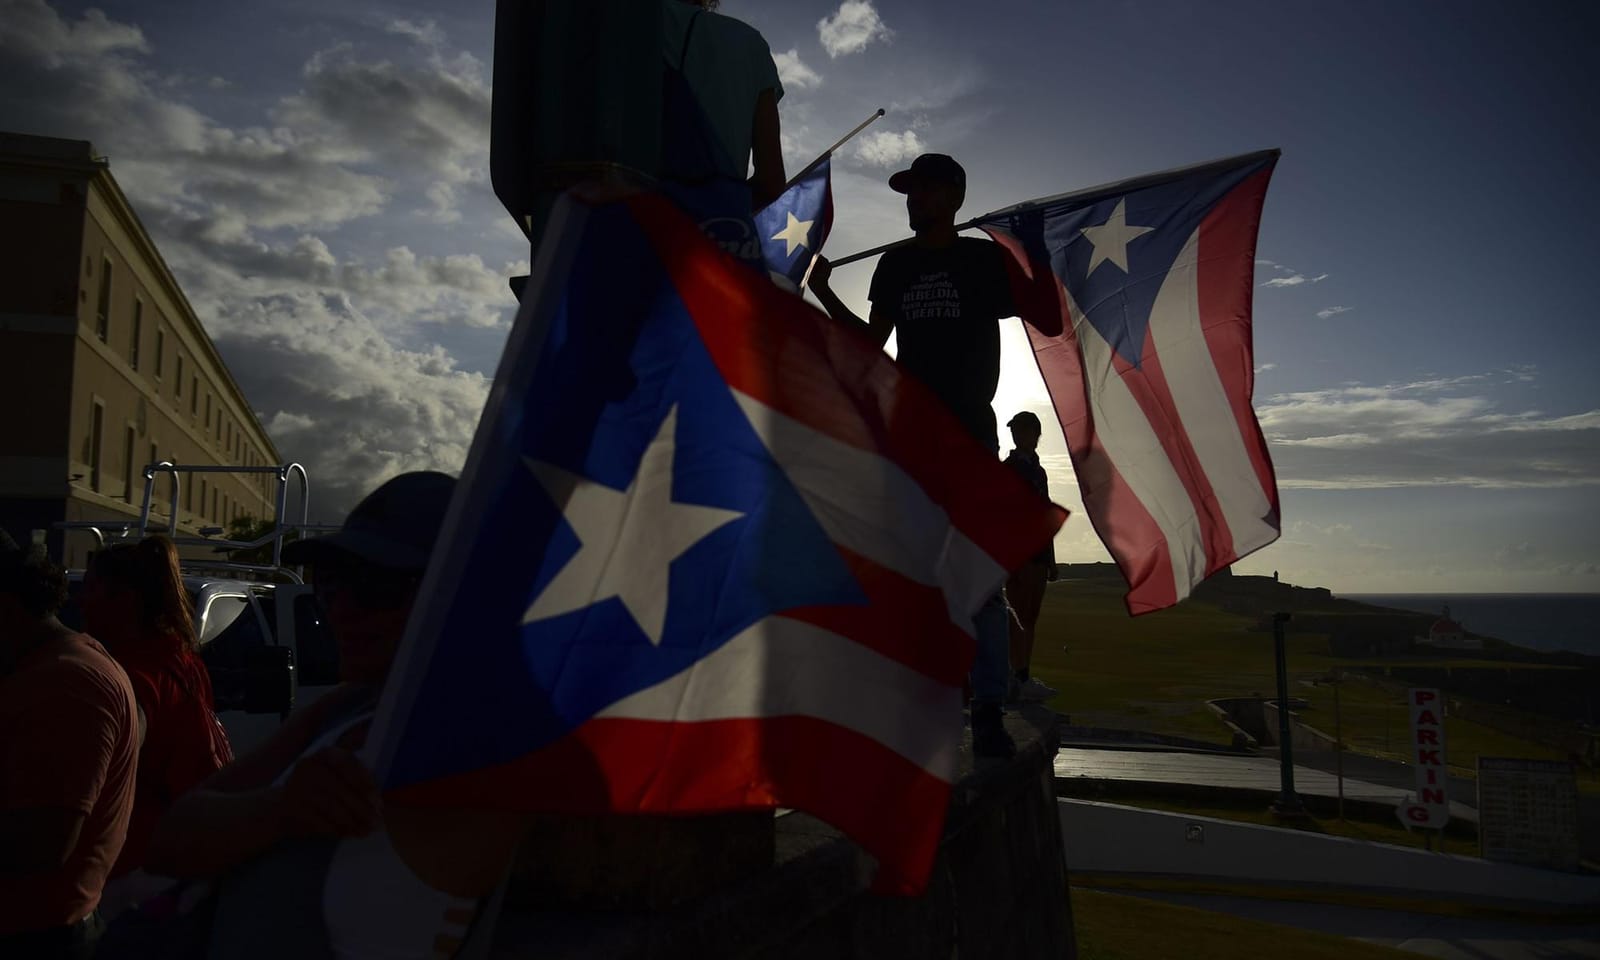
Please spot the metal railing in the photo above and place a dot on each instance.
(283, 473)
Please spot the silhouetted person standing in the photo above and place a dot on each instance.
(943, 295)
(1025, 588)
(729, 70)
(719, 113)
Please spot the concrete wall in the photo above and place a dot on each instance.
(998, 888)
(1256, 721)
(1108, 839)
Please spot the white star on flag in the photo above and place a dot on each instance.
(1111, 239)
(627, 538)
(794, 233)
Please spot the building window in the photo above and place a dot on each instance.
(188, 496)
(202, 498)
(208, 413)
(178, 380)
(97, 420)
(102, 316)
(154, 458)
(214, 514)
(127, 465)
(194, 395)
(138, 331)
(161, 356)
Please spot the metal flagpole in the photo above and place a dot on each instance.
(829, 152)
(1121, 186)
(814, 164)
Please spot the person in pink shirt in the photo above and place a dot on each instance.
(69, 742)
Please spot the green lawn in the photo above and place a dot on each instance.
(1119, 927)
(1155, 673)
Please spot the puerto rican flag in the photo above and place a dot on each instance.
(711, 551)
(1137, 300)
(794, 227)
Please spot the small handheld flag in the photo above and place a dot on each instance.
(794, 227)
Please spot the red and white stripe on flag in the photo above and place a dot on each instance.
(1170, 459)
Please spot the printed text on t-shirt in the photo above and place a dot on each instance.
(931, 297)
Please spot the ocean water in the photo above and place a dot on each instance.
(1541, 621)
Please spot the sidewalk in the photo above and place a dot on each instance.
(1232, 772)
(1448, 938)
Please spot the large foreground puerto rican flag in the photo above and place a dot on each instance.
(1137, 300)
(711, 551)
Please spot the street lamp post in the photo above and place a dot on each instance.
(1288, 804)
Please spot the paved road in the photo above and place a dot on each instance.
(1448, 938)
(1391, 773)
(1242, 772)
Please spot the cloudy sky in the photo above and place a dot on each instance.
(316, 175)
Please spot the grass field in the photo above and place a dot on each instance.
(1155, 673)
(1120, 927)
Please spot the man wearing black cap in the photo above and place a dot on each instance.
(1025, 588)
(943, 295)
(310, 856)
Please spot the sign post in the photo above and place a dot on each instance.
(1429, 807)
(1288, 804)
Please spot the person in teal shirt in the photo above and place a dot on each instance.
(729, 69)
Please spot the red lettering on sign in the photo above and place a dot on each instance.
(1429, 757)
(1433, 776)
(1421, 697)
(1428, 736)
(1417, 814)
(1433, 796)
(1427, 717)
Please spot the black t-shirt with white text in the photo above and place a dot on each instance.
(946, 305)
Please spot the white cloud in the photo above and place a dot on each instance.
(883, 148)
(1294, 280)
(1432, 432)
(357, 409)
(1328, 313)
(1263, 368)
(340, 351)
(851, 28)
(427, 32)
(793, 72)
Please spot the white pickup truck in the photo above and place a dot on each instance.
(266, 646)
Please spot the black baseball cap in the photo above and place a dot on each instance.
(1025, 419)
(396, 526)
(930, 168)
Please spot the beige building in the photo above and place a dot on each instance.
(106, 367)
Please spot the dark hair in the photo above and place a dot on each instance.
(39, 585)
(150, 569)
